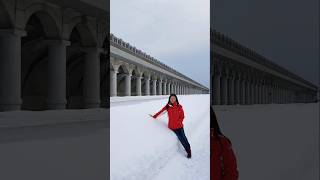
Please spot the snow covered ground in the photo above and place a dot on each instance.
(144, 148)
(277, 141)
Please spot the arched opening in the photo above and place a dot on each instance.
(75, 65)
(80, 37)
(34, 63)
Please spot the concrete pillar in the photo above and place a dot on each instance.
(164, 88)
(154, 87)
(230, 90)
(224, 90)
(242, 91)
(237, 91)
(172, 88)
(261, 93)
(113, 82)
(56, 97)
(10, 69)
(169, 88)
(216, 89)
(252, 90)
(91, 80)
(147, 87)
(256, 93)
(160, 87)
(247, 92)
(178, 89)
(127, 85)
(138, 85)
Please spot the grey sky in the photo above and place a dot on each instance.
(174, 32)
(285, 31)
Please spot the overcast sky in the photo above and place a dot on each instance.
(176, 32)
(285, 31)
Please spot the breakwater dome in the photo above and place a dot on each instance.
(135, 73)
(239, 75)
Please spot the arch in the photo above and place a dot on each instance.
(48, 18)
(34, 64)
(85, 31)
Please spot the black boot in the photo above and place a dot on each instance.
(189, 153)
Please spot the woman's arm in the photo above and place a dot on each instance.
(158, 113)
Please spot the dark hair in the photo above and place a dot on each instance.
(214, 124)
(169, 102)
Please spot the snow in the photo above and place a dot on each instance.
(144, 148)
(276, 141)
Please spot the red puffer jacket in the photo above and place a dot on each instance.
(223, 164)
(175, 113)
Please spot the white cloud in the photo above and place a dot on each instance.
(171, 31)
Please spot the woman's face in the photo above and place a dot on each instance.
(172, 99)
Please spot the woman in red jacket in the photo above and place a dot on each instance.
(223, 164)
(176, 116)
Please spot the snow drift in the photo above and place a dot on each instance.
(144, 148)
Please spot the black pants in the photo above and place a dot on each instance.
(182, 138)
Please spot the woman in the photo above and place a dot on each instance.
(176, 116)
(223, 164)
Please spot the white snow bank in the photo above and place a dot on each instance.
(144, 148)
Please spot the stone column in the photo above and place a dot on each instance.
(263, 97)
(138, 85)
(224, 90)
(230, 90)
(242, 92)
(154, 87)
(147, 87)
(177, 89)
(127, 86)
(247, 87)
(256, 92)
(237, 90)
(10, 69)
(252, 92)
(216, 89)
(169, 88)
(260, 92)
(164, 88)
(91, 79)
(249, 91)
(113, 82)
(56, 97)
(160, 87)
